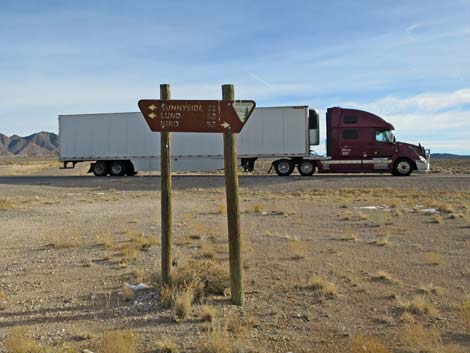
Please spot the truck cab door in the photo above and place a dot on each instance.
(381, 150)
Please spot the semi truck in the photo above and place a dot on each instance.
(119, 144)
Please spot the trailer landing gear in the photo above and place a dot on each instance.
(248, 164)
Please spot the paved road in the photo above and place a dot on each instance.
(292, 183)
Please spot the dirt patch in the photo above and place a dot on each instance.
(80, 262)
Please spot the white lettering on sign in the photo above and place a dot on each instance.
(169, 123)
(170, 115)
(182, 107)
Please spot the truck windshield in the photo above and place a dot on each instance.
(384, 136)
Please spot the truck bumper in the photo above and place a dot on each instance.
(423, 165)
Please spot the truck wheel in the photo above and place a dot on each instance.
(283, 167)
(306, 168)
(100, 168)
(130, 170)
(403, 167)
(117, 168)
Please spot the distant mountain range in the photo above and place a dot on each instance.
(448, 156)
(35, 145)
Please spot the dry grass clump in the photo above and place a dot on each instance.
(181, 305)
(118, 341)
(141, 241)
(17, 340)
(216, 279)
(432, 258)
(213, 276)
(382, 240)
(345, 216)
(166, 346)
(127, 293)
(419, 305)
(296, 249)
(105, 239)
(362, 216)
(208, 313)
(383, 276)
(138, 275)
(446, 208)
(203, 230)
(419, 339)
(367, 344)
(240, 328)
(5, 300)
(465, 313)
(349, 235)
(324, 287)
(208, 250)
(216, 341)
(6, 205)
(437, 218)
(221, 209)
(166, 294)
(128, 252)
(430, 289)
(64, 239)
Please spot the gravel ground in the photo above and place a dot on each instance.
(64, 286)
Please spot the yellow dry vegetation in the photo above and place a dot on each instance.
(6, 204)
(17, 340)
(420, 339)
(181, 306)
(323, 286)
(419, 305)
(216, 341)
(367, 344)
(63, 239)
(432, 258)
(166, 345)
(118, 341)
(5, 300)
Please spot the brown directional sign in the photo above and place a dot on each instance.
(196, 115)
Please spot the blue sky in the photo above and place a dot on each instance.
(408, 61)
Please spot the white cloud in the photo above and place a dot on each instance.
(440, 120)
(425, 102)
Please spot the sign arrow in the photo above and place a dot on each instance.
(152, 107)
(152, 115)
(225, 125)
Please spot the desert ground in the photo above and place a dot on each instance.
(332, 263)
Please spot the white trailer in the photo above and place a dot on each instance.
(121, 143)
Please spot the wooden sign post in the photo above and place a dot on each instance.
(166, 214)
(226, 116)
(233, 208)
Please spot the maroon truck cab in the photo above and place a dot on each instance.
(358, 141)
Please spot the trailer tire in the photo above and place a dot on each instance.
(99, 168)
(117, 168)
(130, 170)
(283, 167)
(403, 167)
(306, 168)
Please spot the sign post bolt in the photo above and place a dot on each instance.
(233, 208)
(166, 214)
